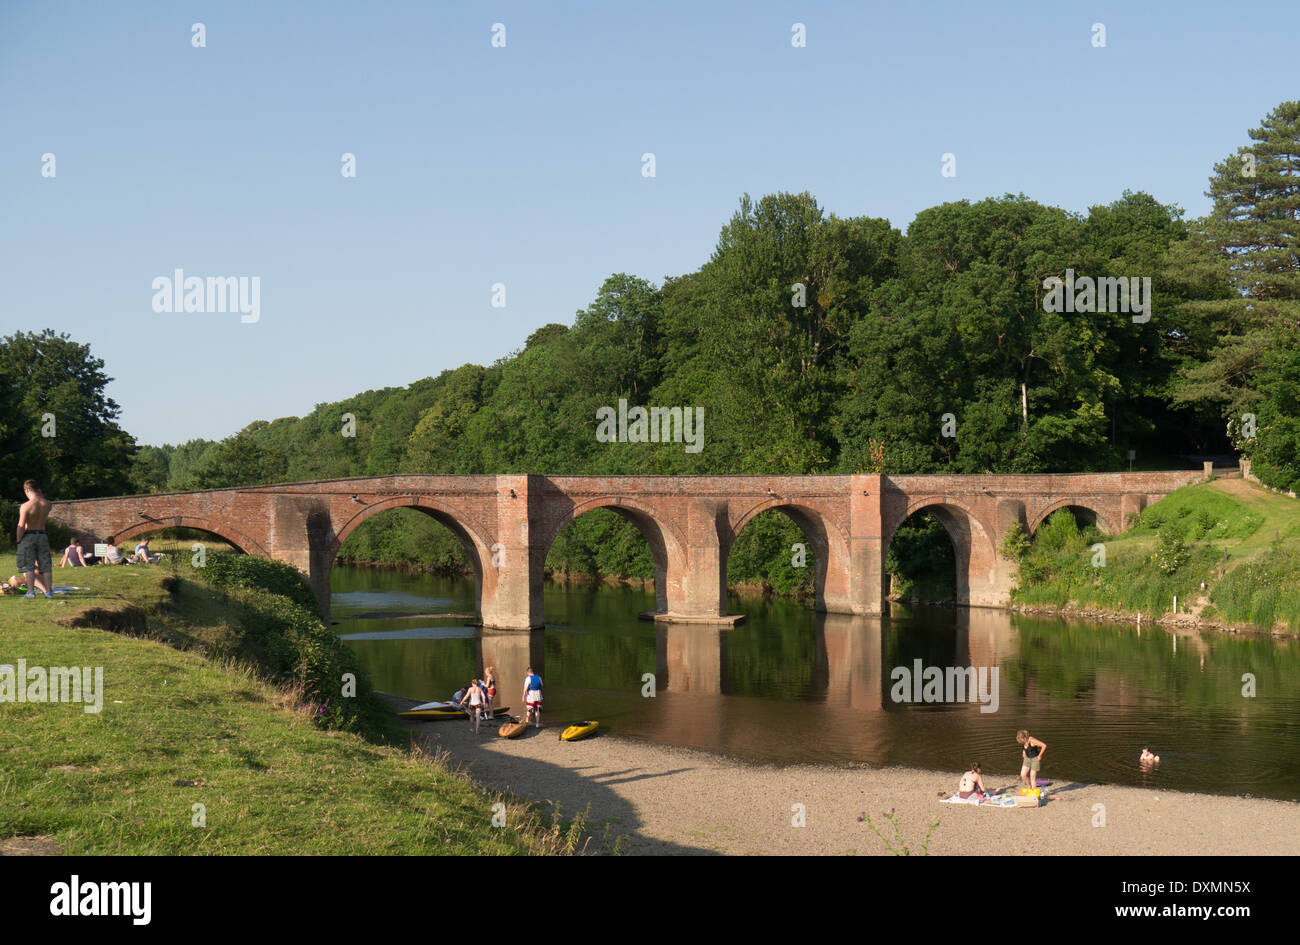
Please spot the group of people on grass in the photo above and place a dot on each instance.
(35, 563)
(478, 696)
(76, 556)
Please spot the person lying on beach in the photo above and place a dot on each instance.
(972, 782)
(1031, 757)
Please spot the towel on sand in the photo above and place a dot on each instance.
(1002, 801)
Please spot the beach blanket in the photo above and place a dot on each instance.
(1003, 801)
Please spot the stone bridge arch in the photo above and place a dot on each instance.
(243, 542)
(667, 546)
(478, 547)
(981, 580)
(1107, 519)
(832, 566)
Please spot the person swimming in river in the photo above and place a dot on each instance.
(972, 782)
(1031, 757)
(1147, 758)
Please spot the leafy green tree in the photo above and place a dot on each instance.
(1249, 246)
(151, 468)
(618, 336)
(758, 336)
(434, 445)
(1275, 448)
(54, 384)
(963, 331)
(239, 461)
(185, 460)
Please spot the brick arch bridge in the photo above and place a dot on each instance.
(507, 525)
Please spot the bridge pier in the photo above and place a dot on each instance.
(511, 595)
(866, 580)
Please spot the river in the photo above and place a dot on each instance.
(791, 686)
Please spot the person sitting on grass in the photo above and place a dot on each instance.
(114, 554)
(73, 556)
(972, 782)
(142, 556)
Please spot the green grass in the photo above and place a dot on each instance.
(270, 780)
(1241, 540)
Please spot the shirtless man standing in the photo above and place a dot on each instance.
(33, 546)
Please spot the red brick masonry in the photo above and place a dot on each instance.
(507, 525)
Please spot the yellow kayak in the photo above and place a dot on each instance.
(580, 730)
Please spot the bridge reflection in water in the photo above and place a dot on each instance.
(792, 686)
(850, 681)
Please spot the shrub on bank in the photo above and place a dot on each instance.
(291, 643)
(1262, 591)
(1064, 566)
(1195, 535)
(230, 570)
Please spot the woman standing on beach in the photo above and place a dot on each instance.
(1031, 757)
(475, 697)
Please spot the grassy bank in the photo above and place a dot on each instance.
(198, 749)
(1239, 540)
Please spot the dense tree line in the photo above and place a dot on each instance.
(824, 344)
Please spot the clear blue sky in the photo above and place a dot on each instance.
(521, 164)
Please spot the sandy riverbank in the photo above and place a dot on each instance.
(675, 800)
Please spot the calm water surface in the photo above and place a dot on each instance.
(792, 686)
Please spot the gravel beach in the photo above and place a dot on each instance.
(671, 800)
